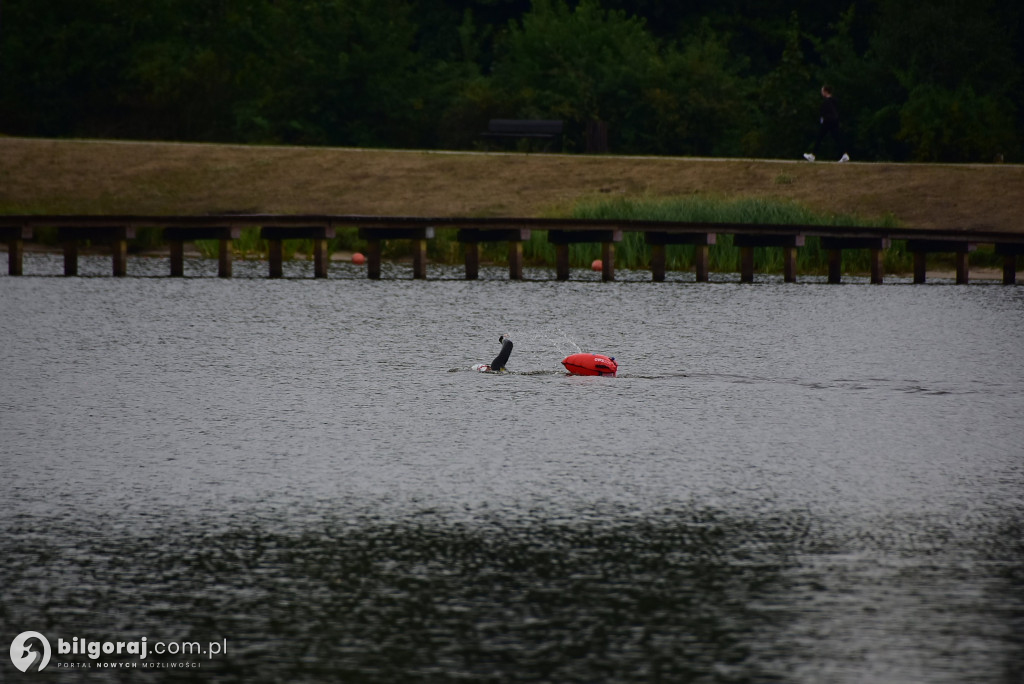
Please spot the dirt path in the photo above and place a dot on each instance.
(52, 176)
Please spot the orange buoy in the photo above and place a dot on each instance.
(358, 258)
(590, 364)
(596, 265)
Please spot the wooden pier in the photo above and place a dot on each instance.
(117, 231)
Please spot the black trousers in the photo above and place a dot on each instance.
(829, 128)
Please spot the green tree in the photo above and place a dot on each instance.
(700, 104)
(953, 75)
(788, 98)
(582, 64)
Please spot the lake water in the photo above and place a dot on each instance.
(786, 482)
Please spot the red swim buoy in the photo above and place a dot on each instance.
(358, 259)
(596, 265)
(590, 364)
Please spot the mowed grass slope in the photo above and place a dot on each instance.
(93, 177)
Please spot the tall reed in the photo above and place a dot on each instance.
(633, 252)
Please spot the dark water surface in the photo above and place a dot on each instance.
(792, 483)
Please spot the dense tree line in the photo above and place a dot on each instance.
(929, 80)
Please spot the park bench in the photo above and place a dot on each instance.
(549, 130)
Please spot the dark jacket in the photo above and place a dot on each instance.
(829, 111)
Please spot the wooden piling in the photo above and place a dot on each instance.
(877, 266)
(373, 259)
(562, 261)
(835, 266)
(321, 259)
(658, 240)
(962, 268)
(176, 236)
(275, 257)
(1010, 252)
(472, 237)
(746, 264)
(418, 235)
(117, 236)
(15, 256)
(15, 236)
(789, 264)
(658, 263)
(177, 248)
(921, 248)
(702, 260)
(836, 245)
(70, 257)
(607, 261)
(275, 235)
(920, 267)
(515, 261)
(119, 248)
(472, 252)
(224, 258)
(748, 241)
(564, 238)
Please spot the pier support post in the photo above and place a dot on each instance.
(321, 260)
(224, 258)
(1010, 252)
(374, 235)
(835, 266)
(561, 239)
(836, 245)
(15, 237)
(607, 261)
(746, 264)
(15, 256)
(120, 257)
(658, 240)
(920, 267)
(562, 261)
(789, 264)
(702, 260)
(373, 259)
(71, 257)
(658, 263)
(921, 248)
(275, 235)
(275, 258)
(747, 242)
(472, 250)
(515, 260)
(419, 259)
(177, 248)
(177, 235)
(877, 266)
(472, 237)
(962, 268)
(117, 236)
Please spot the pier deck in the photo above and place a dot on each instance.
(117, 230)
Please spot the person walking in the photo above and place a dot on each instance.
(828, 125)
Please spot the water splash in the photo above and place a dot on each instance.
(561, 342)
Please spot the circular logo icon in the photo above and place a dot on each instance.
(30, 651)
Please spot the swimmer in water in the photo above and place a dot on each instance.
(498, 364)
